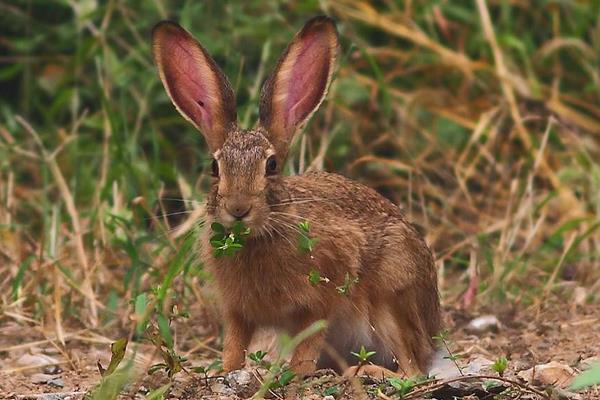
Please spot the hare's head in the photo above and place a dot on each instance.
(246, 163)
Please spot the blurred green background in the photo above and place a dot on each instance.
(480, 118)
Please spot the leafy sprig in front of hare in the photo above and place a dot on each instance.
(227, 242)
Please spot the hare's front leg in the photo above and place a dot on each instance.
(306, 355)
(238, 333)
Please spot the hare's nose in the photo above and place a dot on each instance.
(238, 209)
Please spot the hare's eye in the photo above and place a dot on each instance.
(215, 168)
(271, 168)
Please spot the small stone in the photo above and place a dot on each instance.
(243, 382)
(52, 369)
(36, 360)
(239, 377)
(553, 374)
(221, 388)
(41, 378)
(442, 367)
(329, 397)
(58, 382)
(477, 365)
(483, 324)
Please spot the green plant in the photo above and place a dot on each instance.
(314, 277)
(215, 366)
(279, 374)
(331, 391)
(227, 242)
(363, 355)
(587, 378)
(443, 337)
(500, 365)
(344, 289)
(402, 386)
(306, 244)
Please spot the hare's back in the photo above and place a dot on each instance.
(338, 194)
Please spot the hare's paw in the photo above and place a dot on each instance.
(370, 370)
(303, 368)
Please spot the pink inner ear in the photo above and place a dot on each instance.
(182, 72)
(307, 80)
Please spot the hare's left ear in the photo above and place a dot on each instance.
(299, 82)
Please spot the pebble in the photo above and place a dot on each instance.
(221, 388)
(477, 365)
(483, 324)
(41, 378)
(239, 377)
(52, 369)
(58, 382)
(553, 373)
(32, 360)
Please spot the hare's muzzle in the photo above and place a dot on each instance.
(238, 208)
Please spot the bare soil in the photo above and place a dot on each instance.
(528, 337)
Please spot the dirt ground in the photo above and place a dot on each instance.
(568, 336)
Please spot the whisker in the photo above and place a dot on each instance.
(181, 200)
(282, 234)
(169, 214)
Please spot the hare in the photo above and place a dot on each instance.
(378, 284)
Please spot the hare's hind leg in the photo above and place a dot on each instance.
(416, 343)
(393, 340)
(407, 276)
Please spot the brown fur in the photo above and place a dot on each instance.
(393, 309)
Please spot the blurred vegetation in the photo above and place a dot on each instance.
(481, 119)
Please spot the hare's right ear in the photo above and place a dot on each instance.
(194, 82)
(299, 82)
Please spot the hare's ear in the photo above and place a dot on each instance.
(194, 82)
(299, 82)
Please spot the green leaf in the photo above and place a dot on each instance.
(331, 391)
(363, 355)
(141, 302)
(117, 350)
(500, 365)
(285, 378)
(157, 367)
(402, 386)
(217, 228)
(165, 330)
(158, 394)
(314, 277)
(587, 378)
(257, 356)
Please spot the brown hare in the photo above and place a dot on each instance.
(378, 286)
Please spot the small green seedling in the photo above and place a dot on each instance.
(306, 244)
(172, 361)
(348, 281)
(228, 242)
(500, 365)
(443, 338)
(216, 366)
(285, 377)
(402, 386)
(257, 356)
(331, 391)
(363, 355)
